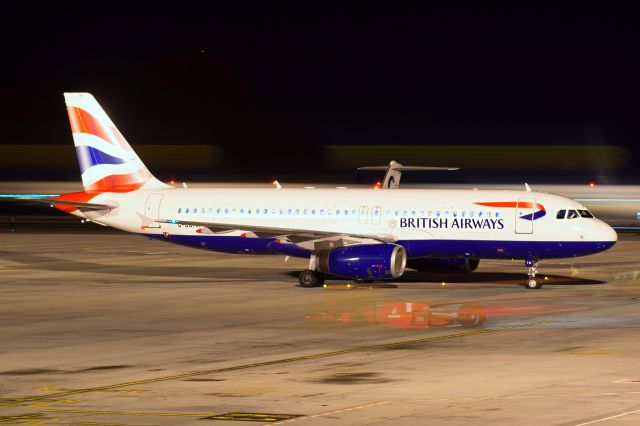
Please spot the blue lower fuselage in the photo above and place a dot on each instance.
(479, 249)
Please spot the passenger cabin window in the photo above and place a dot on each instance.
(561, 214)
(572, 214)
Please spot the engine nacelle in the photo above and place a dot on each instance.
(366, 261)
(424, 264)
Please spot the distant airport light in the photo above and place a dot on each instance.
(592, 184)
(378, 185)
(172, 182)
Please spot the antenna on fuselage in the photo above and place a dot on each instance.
(394, 172)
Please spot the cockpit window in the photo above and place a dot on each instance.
(572, 214)
(561, 214)
(585, 213)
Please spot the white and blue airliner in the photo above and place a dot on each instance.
(358, 234)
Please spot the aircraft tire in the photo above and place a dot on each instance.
(309, 278)
(532, 284)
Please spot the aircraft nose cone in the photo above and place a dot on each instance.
(608, 233)
(606, 237)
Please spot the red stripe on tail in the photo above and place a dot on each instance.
(83, 122)
(120, 183)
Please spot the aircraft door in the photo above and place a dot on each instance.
(376, 214)
(524, 215)
(152, 207)
(363, 215)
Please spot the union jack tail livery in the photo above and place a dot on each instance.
(107, 161)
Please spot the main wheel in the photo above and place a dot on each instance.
(532, 284)
(309, 278)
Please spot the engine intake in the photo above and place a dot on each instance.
(363, 261)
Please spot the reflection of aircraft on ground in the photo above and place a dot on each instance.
(401, 314)
(360, 309)
(361, 234)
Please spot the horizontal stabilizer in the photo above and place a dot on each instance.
(53, 202)
(394, 172)
(409, 168)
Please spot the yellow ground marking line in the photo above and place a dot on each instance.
(265, 417)
(273, 362)
(123, 413)
(253, 417)
(99, 424)
(51, 388)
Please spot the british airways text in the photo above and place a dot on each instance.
(447, 223)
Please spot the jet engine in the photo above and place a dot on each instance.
(424, 264)
(366, 261)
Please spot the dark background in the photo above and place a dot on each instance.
(262, 90)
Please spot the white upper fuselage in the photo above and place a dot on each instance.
(404, 214)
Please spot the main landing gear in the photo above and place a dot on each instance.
(532, 270)
(309, 278)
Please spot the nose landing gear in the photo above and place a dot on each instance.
(532, 270)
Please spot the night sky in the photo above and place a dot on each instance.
(272, 86)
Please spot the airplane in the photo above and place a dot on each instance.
(357, 234)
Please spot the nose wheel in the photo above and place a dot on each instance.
(532, 271)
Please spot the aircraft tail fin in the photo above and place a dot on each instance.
(107, 161)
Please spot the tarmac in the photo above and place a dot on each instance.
(98, 327)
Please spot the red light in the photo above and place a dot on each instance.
(202, 51)
(592, 184)
(172, 182)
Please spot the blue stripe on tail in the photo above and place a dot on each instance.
(89, 156)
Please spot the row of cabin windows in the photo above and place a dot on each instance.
(573, 214)
(227, 210)
(339, 212)
(443, 213)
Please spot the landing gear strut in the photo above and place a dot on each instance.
(532, 270)
(309, 278)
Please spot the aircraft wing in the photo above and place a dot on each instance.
(295, 235)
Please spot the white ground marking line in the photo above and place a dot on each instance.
(604, 419)
(558, 395)
(634, 381)
(343, 410)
